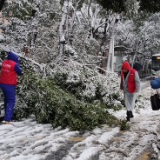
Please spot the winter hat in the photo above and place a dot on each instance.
(125, 65)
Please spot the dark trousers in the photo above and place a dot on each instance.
(9, 99)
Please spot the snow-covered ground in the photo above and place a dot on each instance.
(27, 140)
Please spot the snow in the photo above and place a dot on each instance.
(29, 140)
(108, 135)
(1, 38)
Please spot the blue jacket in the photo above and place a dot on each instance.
(155, 83)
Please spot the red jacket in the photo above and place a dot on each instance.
(131, 82)
(8, 74)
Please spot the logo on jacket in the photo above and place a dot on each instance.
(6, 65)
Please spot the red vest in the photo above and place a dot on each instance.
(8, 74)
(131, 82)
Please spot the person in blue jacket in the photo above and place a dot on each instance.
(8, 80)
(155, 83)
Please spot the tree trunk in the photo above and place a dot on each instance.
(62, 28)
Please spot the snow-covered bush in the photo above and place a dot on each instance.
(92, 46)
(51, 104)
(88, 84)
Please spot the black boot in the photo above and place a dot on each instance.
(129, 114)
(1, 119)
(132, 115)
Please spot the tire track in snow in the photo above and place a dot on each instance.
(129, 145)
(134, 142)
(31, 141)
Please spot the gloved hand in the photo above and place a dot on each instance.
(21, 74)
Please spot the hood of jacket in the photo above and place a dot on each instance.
(126, 65)
(13, 57)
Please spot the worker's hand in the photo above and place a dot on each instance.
(21, 74)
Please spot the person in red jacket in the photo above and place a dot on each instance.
(130, 84)
(8, 81)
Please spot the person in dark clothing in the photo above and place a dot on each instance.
(137, 66)
(8, 81)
